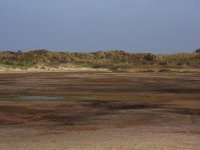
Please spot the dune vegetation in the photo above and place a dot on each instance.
(115, 60)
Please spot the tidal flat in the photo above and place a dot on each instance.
(95, 111)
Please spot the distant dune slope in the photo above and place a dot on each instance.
(115, 60)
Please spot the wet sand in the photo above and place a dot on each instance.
(109, 111)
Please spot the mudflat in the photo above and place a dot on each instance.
(99, 111)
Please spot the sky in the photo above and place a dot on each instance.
(157, 26)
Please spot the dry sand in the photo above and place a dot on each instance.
(72, 68)
(51, 69)
(135, 138)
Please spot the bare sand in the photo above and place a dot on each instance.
(134, 138)
(100, 111)
(72, 68)
(51, 69)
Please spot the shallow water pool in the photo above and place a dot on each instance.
(30, 97)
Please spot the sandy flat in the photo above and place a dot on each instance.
(99, 111)
(133, 138)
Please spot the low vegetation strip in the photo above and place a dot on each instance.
(115, 60)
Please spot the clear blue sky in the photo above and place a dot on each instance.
(159, 26)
